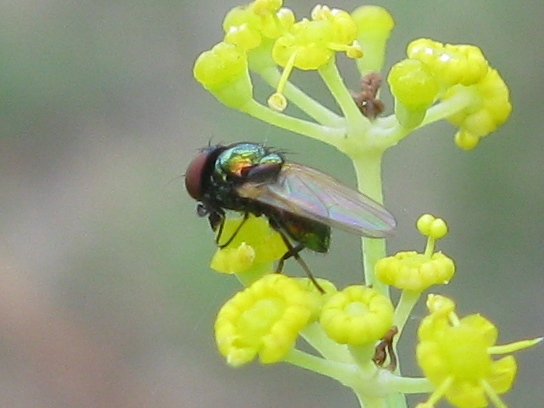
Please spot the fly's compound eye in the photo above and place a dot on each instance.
(195, 173)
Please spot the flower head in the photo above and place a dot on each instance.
(264, 319)
(253, 244)
(357, 315)
(415, 89)
(452, 64)
(374, 26)
(463, 72)
(223, 71)
(489, 109)
(310, 44)
(249, 26)
(456, 356)
(415, 271)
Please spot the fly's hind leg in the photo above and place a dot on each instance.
(293, 251)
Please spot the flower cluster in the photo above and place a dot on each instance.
(266, 318)
(410, 270)
(354, 331)
(434, 71)
(456, 356)
(436, 81)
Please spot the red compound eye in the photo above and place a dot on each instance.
(194, 174)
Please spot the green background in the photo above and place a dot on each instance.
(106, 299)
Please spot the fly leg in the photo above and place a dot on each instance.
(293, 251)
(220, 231)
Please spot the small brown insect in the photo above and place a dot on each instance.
(366, 99)
(385, 347)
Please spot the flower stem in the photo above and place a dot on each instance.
(405, 385)
(332, 78)
(318, 339)
(332, 369)
(447, 107)
(305, 102)
(390, 131)
(303, 127)
(369, 182)
(407, 301)
(367, 402)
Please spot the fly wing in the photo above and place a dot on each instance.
(307, 192)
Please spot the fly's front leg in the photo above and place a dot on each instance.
(293, 251)
(220, 231)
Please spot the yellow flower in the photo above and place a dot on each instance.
(233, 259)
(415, 89)
(248, 26)
(310, 44)
(413, 83)
(456, 356)
(264, 319)
(463, 72)
(253, 245)
(358, 315)
(490, 108)
(410, 270)
(223, 71)
(452, 64)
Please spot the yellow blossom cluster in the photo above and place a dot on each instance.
(448, 72)
(456, 355)
(266, 318)
(410, 270)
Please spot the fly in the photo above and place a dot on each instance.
(300, 202)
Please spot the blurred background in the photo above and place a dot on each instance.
(106, 298)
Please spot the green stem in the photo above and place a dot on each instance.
(318, 339)
(346, 374)
(390, 131)
(339, 371)
(370, 402)
(448, 107)
(367, 387)
(405, 385)
(362, 355)
(387, 131)
(369, 182)
(407, 301)
(332, 78)
(305, 102)
(303, 127)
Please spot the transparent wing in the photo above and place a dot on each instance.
(307, 192)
